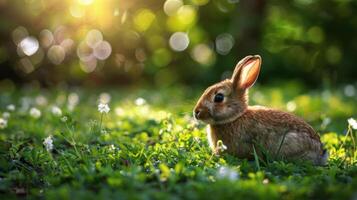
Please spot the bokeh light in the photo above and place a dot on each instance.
(46, 38)
(26, 66)
(89, 65)
(150, 40)
(179, 41)
(203, 54)
(56, 54)
(85, 2)
(224, 43)
(84, 52)
(143, 19)
(18, 34)
(29, 45)
(171, 6)
(102, 50)
(77, 11)
(93, 38)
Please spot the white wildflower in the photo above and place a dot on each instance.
(265, 181)
(3, 123)
(11, 107)
(103, 108)
(48, 142)
(220, 146)
(353, 123)
(64, 119)
(112, 147)
(140, 101)
(6, 115)
(35, 113)
(227, 173)
(56, 111)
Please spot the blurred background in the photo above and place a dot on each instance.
(168, 42)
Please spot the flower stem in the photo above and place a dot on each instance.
(73, 142)
(100, 123)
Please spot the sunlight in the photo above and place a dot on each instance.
(85, 2)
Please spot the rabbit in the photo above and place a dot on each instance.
(244, 129)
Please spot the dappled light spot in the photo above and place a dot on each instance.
(171, 6)
(84, 52)
(102, 50)
(93, 38)
(60, 34)
(88, 65)
(85, 2)
(224, 43)
(116, 12)
(56, 54)
(119, 111)
(18, 34)
(46, 38)
(291, 106)
(203, 54)
(77, 11)
(161, 57)
(187, 14)
(26, 65)
(124, 17)
(67, 45)
(143, 19)
(184, 18)
(29, 45)
(179, 41)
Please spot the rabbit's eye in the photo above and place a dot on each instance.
(218, 98)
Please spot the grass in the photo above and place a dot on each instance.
(151, 148)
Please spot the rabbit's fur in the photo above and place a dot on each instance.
(241, 128)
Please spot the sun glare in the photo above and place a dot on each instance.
(85, 2)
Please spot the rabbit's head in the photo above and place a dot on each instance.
(227, 100)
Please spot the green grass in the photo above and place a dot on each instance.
(157, 151)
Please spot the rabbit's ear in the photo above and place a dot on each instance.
(246, 72)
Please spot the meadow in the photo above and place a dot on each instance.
(58, 144)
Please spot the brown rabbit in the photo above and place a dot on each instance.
(224, 106)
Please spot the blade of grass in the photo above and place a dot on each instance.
(280, 145)
(256, 158)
